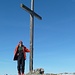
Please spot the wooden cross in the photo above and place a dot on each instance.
(32, 14)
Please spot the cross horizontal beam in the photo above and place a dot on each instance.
(30, 11)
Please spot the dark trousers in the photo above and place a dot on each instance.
(21, 64)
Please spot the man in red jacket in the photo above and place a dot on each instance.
(20, 56)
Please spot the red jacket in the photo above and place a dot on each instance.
(24, 51)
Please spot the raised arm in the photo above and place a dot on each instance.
(26, 50)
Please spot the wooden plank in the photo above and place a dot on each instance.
(30, 11)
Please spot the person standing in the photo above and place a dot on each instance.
(20, 56)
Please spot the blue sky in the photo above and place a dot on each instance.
(54, 35)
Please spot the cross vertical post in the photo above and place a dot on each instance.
(31, 37)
